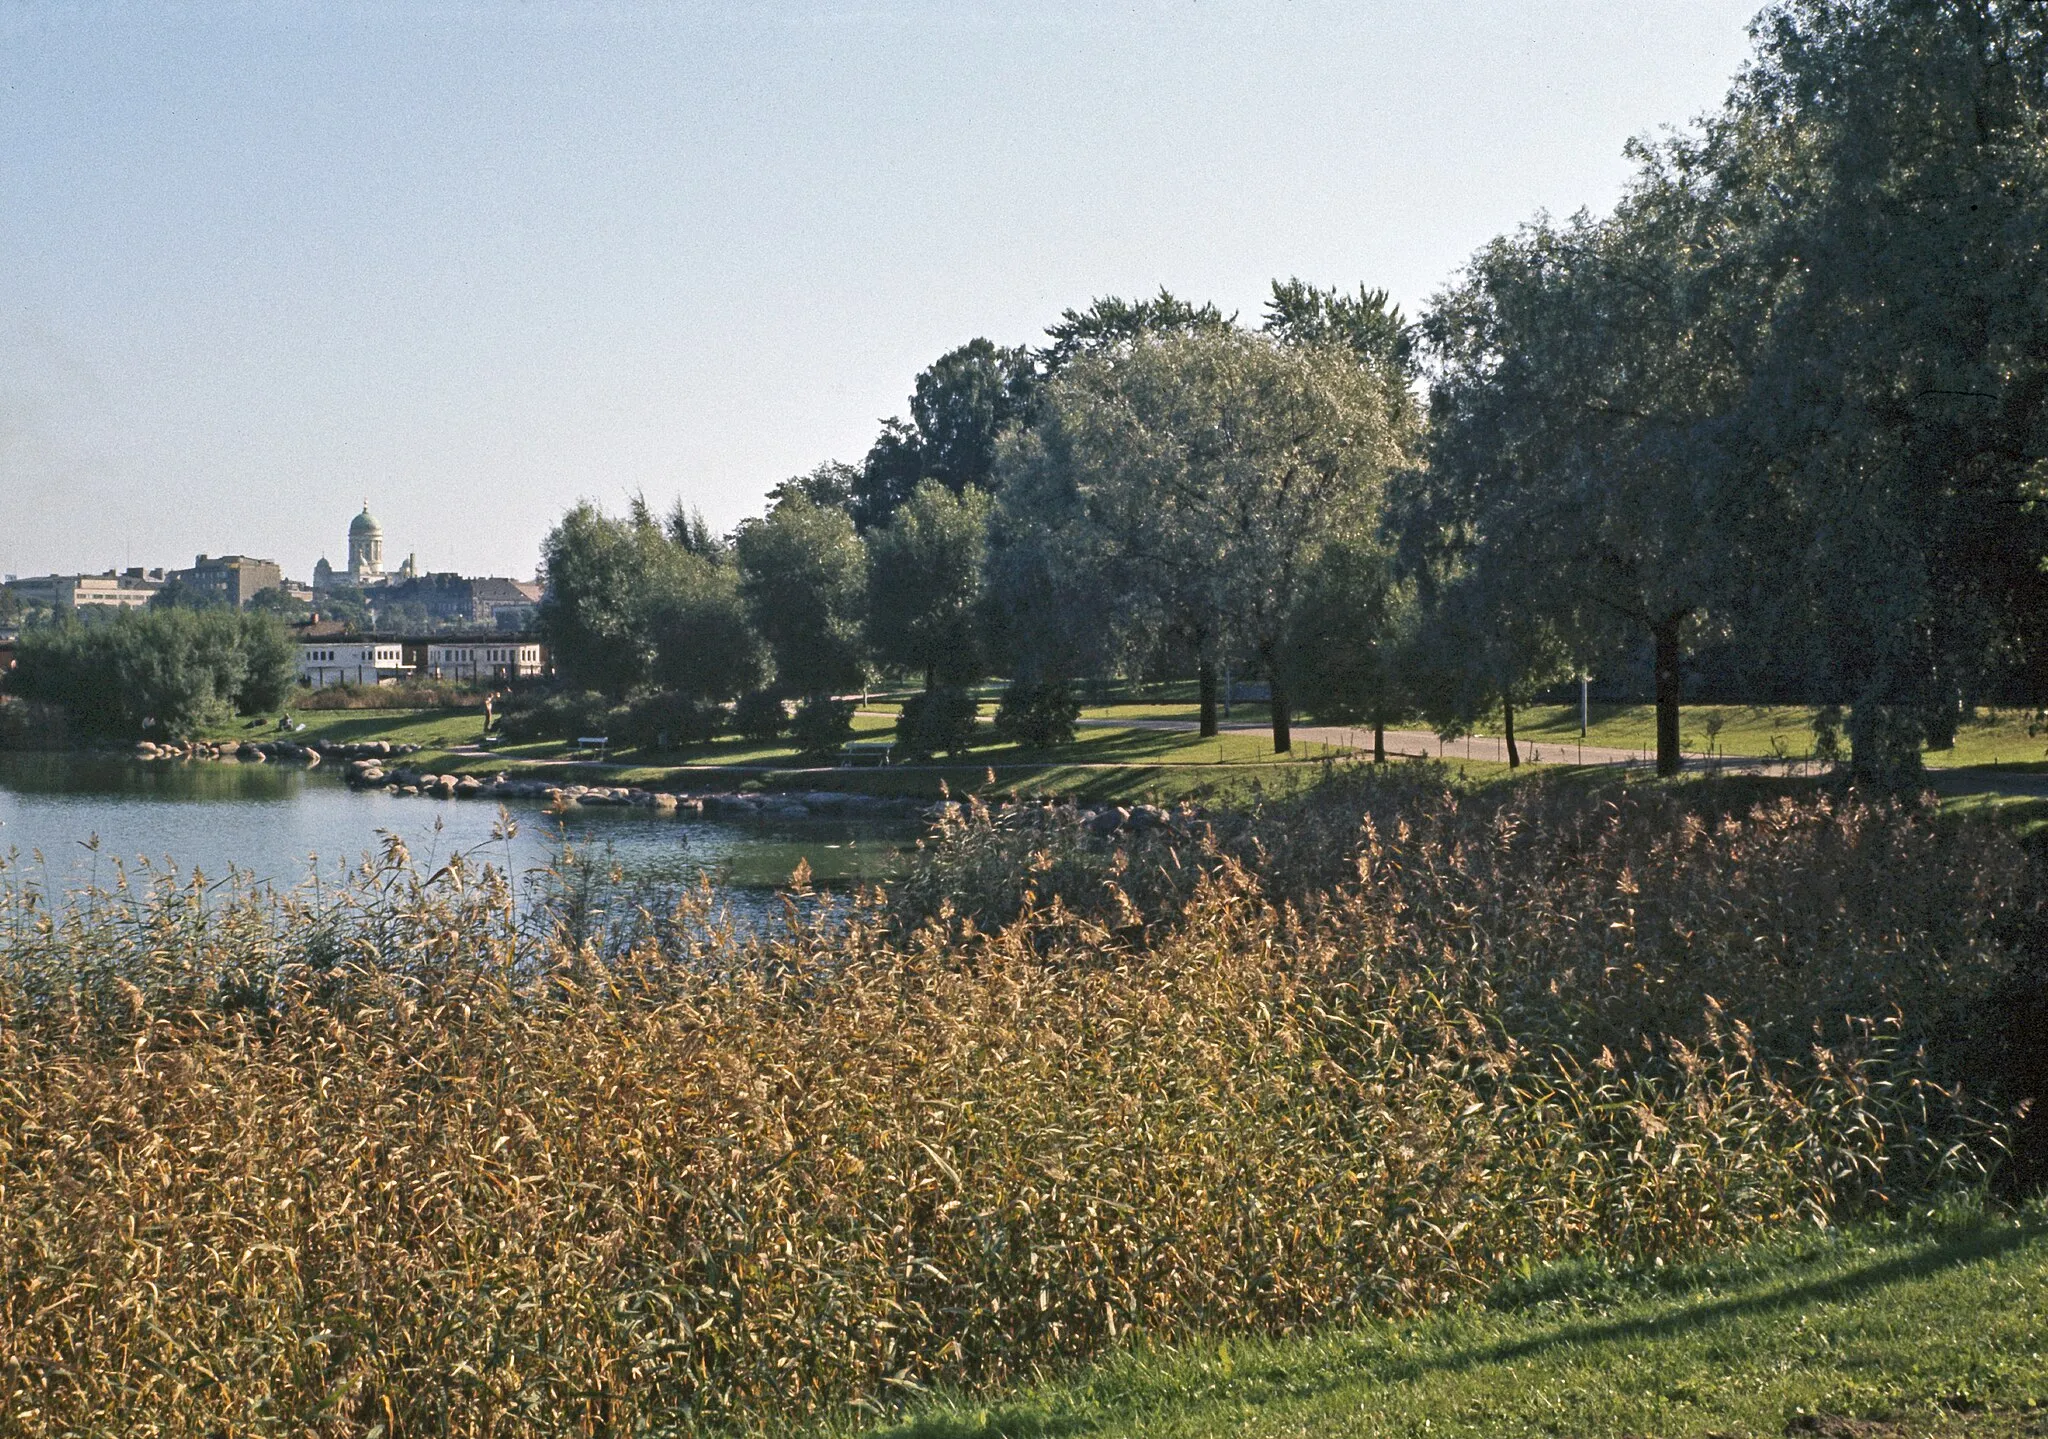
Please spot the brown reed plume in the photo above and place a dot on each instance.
(394, 1159)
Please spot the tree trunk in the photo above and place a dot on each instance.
(1206, 678)
(1507, 714)
(1379, 741)
(1283, 738)
(931, 678)
(1665, 633)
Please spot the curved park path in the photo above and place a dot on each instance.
(1423, 744)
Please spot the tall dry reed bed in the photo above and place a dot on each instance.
(391, 1160)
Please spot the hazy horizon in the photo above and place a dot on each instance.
(472, 264)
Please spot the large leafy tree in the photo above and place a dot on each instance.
(959, 409)
(1891, 160)
(1353, 642)
(1351, 649)
(1199, 477)
(1794, 391)
(633, 602)
(1111, 322)
(1368, 323)
(704, 646)
(803, 575)
(592, 614)
(1577, 373)
(925, 577)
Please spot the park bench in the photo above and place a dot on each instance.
(869, 751)
(597, 742)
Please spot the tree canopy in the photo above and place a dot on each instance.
(803, 575)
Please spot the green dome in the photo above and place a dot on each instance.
(362, 524)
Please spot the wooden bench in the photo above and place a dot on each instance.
(871, 751)
(597, 742)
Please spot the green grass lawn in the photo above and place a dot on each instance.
(1148, 764)
(1993, 737)
(1188, 712)
(1743, 729)
(1159, 765)
(1857, 1335)
(435, 728)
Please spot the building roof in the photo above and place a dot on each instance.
(497, 590)
(362, 524)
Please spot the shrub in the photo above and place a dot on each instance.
(407, 694)
(27, 725)
(760, 716)
(667, 721)
(564, 715)
(935, 721)
(822, 725)
(1038, 713)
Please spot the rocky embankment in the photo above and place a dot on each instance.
(372, 765)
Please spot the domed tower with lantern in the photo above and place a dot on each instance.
(365, 549)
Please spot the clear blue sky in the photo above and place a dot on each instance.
(473, 262)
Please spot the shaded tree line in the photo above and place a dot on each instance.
(163, 673)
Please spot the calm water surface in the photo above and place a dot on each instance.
(280, 824)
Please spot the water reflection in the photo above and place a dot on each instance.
(282, 825)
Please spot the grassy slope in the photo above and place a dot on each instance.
(1148, 764)
(1943, 1332)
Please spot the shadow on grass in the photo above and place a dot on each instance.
(1321, 1372)
(1946, 1252)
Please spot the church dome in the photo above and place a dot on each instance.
(362, 524)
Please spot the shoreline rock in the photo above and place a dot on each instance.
(365, 766)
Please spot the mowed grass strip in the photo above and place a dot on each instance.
(1858, 1335)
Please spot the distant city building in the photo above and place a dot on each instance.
(126, 589)
(510, 604)
(490, 658)
(339, 661)
(236, 579)
(504, 604)
(444, 597)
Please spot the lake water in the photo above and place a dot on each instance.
(68, 819)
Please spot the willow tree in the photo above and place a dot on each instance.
(1199, 477)
(803, 575)
(925, 584)
(1578, 372)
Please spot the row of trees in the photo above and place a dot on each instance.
(1157, 485)
(1788, 401)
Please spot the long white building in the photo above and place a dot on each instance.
(473, 659)
(351, 662)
